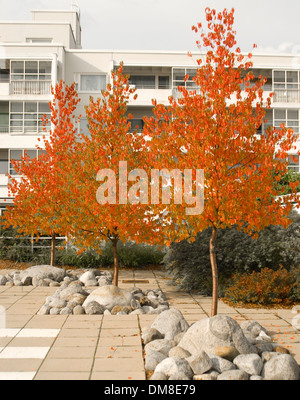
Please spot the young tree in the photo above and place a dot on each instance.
(39, 191)
(213, 126)
(105, 207)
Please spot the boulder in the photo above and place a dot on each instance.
(109, 296)
(161, 345)
(87, 276)
(250, 363)
(152, 359)
(175, 367)
(179, 352)
(151, 334)
(118, 309)
(252, 328)
(220, 364)
(93, 308)
(227, 352)
(68, 293)
(233, 375)
(281, 367)
(200, 363)
(211, 333)
(170, 323)
(44, 272)
(3, 280)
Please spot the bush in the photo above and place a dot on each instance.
(267, 287)
(236, 252)
(130, 255)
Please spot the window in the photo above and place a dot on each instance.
(142, 81)
(4, 71)
(31, 70)
(163, 82)
(4, 117)
(286, 86)
(288, 117)
(179, 75)
(26, 117)
(92, 83)
(3, 161)
(18, 154)
(136, 125)
(293, 163)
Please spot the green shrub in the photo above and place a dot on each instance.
(236, 252)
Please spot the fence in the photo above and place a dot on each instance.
(28, 248)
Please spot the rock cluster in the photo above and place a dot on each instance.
(40, 275)
(216, 348)
(86, 292)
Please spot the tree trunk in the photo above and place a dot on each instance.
(116, 262)
(52, 260)
(214, 268)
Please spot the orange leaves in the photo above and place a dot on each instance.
(39, 195)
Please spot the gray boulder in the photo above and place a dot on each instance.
(250, 363)
(252, 328)
(200, 363)
(179, 352)
(93, 308)
(87, 276)
(151, 334)
(152, 359)
(175, 366)
(170, 323)
(212, 333)
(67, 293)
(109, 296)
(44, 272)
(221, 364)
(161, 345)
(282, 367)
(233, 375)
(3, 280)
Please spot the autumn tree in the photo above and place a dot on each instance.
(108, 180)
(212, 125)
(39, 190)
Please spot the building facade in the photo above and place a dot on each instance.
(35, 55)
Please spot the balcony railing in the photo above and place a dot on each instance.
(4, 129)
(31, 87)
(287, 96)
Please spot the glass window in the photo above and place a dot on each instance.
(28, 116)
(3, 161)
(92, 83)
(143, 81)
(163, 82)
(279, 76)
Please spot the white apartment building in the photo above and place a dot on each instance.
(36, 54)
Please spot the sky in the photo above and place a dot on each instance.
(166, 24)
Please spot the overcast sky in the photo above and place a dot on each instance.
(166, 24)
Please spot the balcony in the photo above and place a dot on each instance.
(287, 96)
(30, 87)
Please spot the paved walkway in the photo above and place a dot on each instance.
(103, 347)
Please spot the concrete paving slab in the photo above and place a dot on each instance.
(80, 347)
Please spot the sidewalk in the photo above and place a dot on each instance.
(83, 347)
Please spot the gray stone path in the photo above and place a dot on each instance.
(69, 347)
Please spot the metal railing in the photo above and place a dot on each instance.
(4, 129)
(287, 96)
(31, 87)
